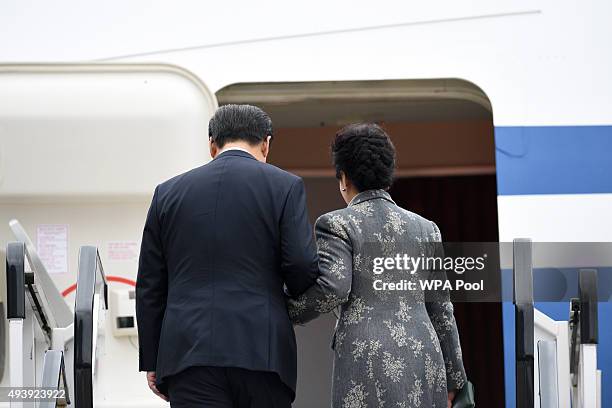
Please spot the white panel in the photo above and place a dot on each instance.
(77, 130)
(556, 217)
(548, 375)
(563, 364)
(588, 381)
(15, 340)
(541, 62)
(547, 329)
(196, 22)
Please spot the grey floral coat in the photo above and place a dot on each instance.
(392, 348)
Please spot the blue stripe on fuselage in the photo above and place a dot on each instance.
(553, 160)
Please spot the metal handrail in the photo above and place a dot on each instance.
(574, 325)
(19, 285)
(16, 313)
(588, 306)
(524, 322)
(583, 322)
(15, 280)
(91, 282)
(54, 378)
(50, 300)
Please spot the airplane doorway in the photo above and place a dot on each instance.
(443, 134)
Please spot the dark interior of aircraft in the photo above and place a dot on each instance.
(443, 134)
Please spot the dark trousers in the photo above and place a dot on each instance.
(227, 387)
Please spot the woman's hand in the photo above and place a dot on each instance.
(451, 397)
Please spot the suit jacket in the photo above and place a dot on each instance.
(219, 244)
(392, 347)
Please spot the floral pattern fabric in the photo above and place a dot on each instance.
(393, 349)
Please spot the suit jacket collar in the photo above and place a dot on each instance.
(235, 152)
(370, 195)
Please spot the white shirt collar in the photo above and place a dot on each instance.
(234, 148)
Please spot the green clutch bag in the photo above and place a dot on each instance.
(465, 397)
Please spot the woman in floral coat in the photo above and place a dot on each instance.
(395, 346)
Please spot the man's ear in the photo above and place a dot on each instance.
(212, 146)
(265, 147)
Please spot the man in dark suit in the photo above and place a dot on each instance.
(221, 245)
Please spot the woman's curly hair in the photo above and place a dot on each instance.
(365, 154)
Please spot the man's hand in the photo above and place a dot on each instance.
(451, 397)
(151, 381)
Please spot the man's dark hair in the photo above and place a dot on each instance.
(231, 123)
(365, 154)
